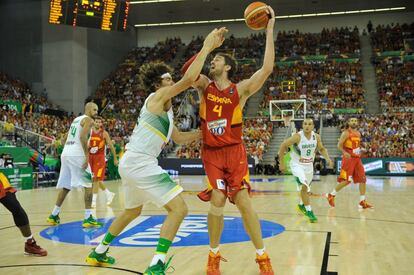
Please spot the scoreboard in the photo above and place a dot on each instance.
(101, 14)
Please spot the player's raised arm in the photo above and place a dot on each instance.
(213, 40)
(253, 84)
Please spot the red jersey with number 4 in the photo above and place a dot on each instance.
(352, 143)
(221, 116)
(97, 143)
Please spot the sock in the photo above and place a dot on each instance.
(333, 193)
(103, 246)
(260, 252)
(300, 202)
(362, 198)
(308, 207)
(94, 196)
(107, 192)
(56, 210)
(28, 238)
(88, 213)
(161, 251)
(215, 250)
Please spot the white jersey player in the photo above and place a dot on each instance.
(75, 171)
(303, 146)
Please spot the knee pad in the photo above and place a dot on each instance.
(216, 211)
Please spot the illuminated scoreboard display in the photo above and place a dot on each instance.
(101, 14)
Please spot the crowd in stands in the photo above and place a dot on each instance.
(325, 86)
(395, 83)
(328, 42)
(394, 73)
(391, 37)
(387, 135)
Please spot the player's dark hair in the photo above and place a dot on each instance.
(151, 74)
(229, 60)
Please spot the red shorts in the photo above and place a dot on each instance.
(352, 167)
(226, 169)
(98, 166)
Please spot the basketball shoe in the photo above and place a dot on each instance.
(91, 222)
(311, 216)
(53, 220)
(264, 264)
(31, 248)
(213, 263)
(159, 269)
(97, 259)
(301, 208)
(364, 205)
(331, 199)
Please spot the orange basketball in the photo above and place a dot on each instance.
(256, 16)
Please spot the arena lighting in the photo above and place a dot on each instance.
(277, 17)
(153, 1)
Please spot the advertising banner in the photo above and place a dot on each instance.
(385, 166)
(177, 166)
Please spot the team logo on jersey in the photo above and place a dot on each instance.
(144, 231)
(217, 127)
(231, 91)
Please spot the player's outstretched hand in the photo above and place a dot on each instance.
(271, 21)
(215, 38)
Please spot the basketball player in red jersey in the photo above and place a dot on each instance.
(98, 140)
(349, 145)
(223, 153)
(9, 200)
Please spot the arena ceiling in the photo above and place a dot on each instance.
(195, 10)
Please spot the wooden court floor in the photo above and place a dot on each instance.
(344, 241)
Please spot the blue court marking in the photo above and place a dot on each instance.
(144, 232)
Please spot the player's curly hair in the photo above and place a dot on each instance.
(151, 74)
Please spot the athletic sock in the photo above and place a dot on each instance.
(261, 251)
(333, 193)
(308, 207)
(94, 196)
(215, 250)
(107, 192)
(103, 246)
(161, 251)
(361, 198)
(56, 210)
(28, 238)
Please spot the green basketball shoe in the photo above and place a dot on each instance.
(311, 216)
(97, 259)
(159, 269)
(91, 222)
(302, 209)
(53, 220)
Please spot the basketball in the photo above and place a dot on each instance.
(256, 16)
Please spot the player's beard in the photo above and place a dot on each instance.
(215, 73)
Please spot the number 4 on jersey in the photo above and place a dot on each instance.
(73, 131)
(218, 109)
